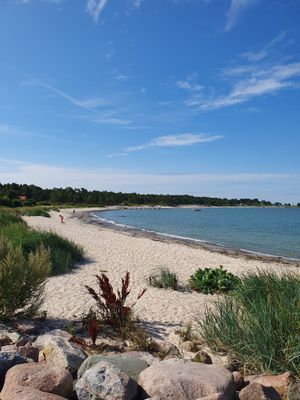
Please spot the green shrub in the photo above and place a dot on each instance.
(63, 252)
(209, 280)
(259, 324)
(21, 279)
(164, 279)
(36, 212)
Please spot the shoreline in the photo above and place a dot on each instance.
(114, 253)
(88, 218)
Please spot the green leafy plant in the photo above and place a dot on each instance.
(22, 279)
(258, 326)
(111, 306)
(164, 279)
(209, 280)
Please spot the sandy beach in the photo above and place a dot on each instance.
(117, 252)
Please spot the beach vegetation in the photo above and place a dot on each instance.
(8, 218)
(36, 212)
(213, 280)
(187, 333)
(258, 325)
(112, 306)
(22, 279)
(164, 279)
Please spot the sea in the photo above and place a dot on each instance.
(267, 231)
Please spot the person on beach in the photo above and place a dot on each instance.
(61, 219)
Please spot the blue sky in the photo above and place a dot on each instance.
(160, 96)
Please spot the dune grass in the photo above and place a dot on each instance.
(164, 279)
(8, 218)
(36, 212)
(258, 325)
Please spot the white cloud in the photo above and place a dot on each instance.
(185, 139)
(136, 3)
(188, 85)
(261, 185)
(236, 9)
(10, 130)
(264, 52)
(249, 83)
(95, 8)
(93, 102)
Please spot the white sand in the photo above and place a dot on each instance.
(115, 253)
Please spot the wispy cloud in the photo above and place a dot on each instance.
(188, 85)
(236, 9)
(265, 51)
(95, 8)
(10, 130)
(184, 139)
(137, 3)
(251, 84)
(87, 104)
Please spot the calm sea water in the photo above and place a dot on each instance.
(273, 231)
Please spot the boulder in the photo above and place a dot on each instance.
(142, 355)
(9, 348)
(186, 380)
(27, 327)
(7, 361)
(23, 393)
(29, 351)
(55, 380)
(131, 366)
(105, 382)
(216, 396)
(256, 391)
(279, 382)
(294, 391)
(57, 350)
(10, 333)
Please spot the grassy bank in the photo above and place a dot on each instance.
(258, 325)
(63, 253)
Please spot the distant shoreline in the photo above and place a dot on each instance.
(87, 217)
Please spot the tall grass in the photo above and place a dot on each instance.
(21, 279)
(259, 324)
(164, 279)
(63, 253)
(7, 218)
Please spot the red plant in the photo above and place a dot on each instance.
(93, 330)
(112, 306)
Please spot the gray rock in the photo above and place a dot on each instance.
(216, 396)
(57, 350)
(105, 382)
(7, 361)
(131, 366)
(186, 380)
(4, 339)
(10, 333)
(142, 355)
(256, 391)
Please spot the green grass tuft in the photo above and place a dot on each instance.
(164, 279)
(259, 324)
(36, 212)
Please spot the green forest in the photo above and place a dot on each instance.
(17, 195)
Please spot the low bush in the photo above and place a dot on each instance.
(63, 252)
(209, 280)
(21, 279)
(111, 307)
(36, 212)
(258, 326)
(164, 279)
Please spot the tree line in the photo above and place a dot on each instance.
(16, 195)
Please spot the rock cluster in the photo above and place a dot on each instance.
(52, 367)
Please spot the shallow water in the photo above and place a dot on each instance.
(274, 231)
